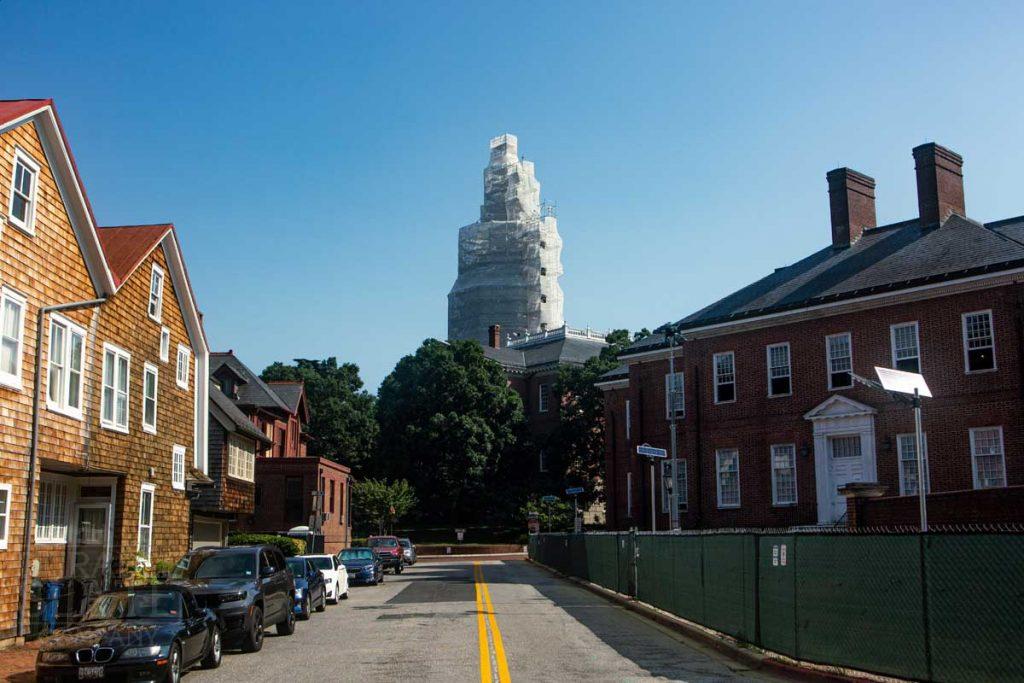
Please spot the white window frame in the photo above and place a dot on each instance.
(150, 369)
(681, 403)
(13, 380)
(714, 368)
(27, 226)
(51, 523)
(789, 367)
(901, 462)
(165, 344)
(157, 278)
(775, 492)
(917, 342)
(241, 462)
(178, 470)
(992, 332)
(111, 421)
(148, 526)
(542, 398)
(974, 456)
(5, 514)
(828, 359)
(629, 494)
(718, 477)
(180, 376)
(63, 403)
(629, 422)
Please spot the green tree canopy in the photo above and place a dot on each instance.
(379, 503)
(554, 515)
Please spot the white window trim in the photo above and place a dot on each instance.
(917, 340)
(13, 381)
(151, 488)
(963, 337)
(156, 271)
(149, 368)
(796, 487)
(1002, 455)
(718, 479)
(111, 424)
(6, 515)
(768, 367)
(927, 469)
(182, 350)
(629, 422)
(542, 398)
(29, 226)
(61, 540)
(681, 412)
(165, 348)
(714, 370)
(828, 360)
(63, 407)
(178, 483)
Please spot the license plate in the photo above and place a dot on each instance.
(90, 673)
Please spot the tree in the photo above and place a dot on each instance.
(447, 417)
(342, 423)
(555, 515)
(375, 501)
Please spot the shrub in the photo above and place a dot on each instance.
(286, 544)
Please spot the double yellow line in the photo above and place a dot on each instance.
(485, 616)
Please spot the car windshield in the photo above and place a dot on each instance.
(131, 605)
(297, 567)
(404, 542)
(383, 543)
(322, 562)
(356, 554)
(216, 566)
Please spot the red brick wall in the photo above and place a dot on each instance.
(986, 506)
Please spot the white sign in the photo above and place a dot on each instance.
(902, 382)
(782, 555)
(775, 556)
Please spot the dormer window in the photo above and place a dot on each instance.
(156, 293)
(22, 209)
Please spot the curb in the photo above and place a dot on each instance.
(455, 556)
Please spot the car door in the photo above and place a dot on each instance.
(271, 588)
(316, 582)
(285, 583)
(194, 638)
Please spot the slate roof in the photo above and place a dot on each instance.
(126, 246)
(289, 392)
(224, 410)
(255, 391)
(546, 352)
(885, 259)
(621, 372)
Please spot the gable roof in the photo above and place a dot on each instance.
(127, 246)
(224, 410)
(293, 394)
(255, 392)
(545, 352)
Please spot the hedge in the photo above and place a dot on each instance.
(288, 545)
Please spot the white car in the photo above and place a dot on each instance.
(335, 576)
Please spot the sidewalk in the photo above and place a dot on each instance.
(18, 663)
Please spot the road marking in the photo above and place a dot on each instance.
(481, 629)
(483, 606)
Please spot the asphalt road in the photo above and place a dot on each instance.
(456, 621)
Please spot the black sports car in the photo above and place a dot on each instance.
(143, 633)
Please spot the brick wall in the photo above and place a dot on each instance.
(985, 506)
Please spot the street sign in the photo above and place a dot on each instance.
(574, 490)
(549, 499)
(902, 382)
(649, 451)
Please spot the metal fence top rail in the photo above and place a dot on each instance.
(933, 530)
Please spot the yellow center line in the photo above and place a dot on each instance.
(499, 646)
(484, 606)
(481, 629)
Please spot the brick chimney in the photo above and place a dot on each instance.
(494, 336)
(851, 198)
(940, 183)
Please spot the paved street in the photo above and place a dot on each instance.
(436, 622)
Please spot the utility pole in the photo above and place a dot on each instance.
(670, 332)
(922, 478)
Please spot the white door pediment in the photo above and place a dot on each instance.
(838, 406)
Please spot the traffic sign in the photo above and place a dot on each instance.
(649, 451)
(549, 499)
(574, 490)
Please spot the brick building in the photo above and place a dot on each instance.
(771, 422)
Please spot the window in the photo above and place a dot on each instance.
(906, 348)
(840, 361)
(629, 421)
(12, 329)
(675, 397)
(906, 445)
(542, 461)
(22, 208)
(979, 344)
(145, 544)
(184, 357)
(331, 500)
(149, 386)
(784, 475)
(543, 271)
(780, 372)
(156, 293)
(542, 398)
(987, 454)
(5, 513)
(241, 458)
(845, 446)
(728, 462)
(178, 467)
(165, 344)
(682, 493)
(629, 494)
(725, 377)
(64, 374)
(114, 409)
(52, 516)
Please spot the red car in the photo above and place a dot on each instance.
(389, 551)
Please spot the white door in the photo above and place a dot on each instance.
(845, 465)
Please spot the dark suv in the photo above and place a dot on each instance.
(249, 587)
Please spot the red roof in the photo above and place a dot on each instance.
(11, 110)
(126, 246)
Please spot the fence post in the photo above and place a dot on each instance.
(922, 549)
(757, 590)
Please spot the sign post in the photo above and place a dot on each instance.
(549, 499)
(574, 492)
(654, 453)
(911, 383)
(671, 331)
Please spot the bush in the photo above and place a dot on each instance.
(286, 544)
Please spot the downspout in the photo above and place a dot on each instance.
(33, 453)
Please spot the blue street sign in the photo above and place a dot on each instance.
(650, 451)
(549, 499)
(573, 491)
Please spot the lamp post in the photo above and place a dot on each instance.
(671, 331)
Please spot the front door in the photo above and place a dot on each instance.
(91, 543)
(845, 465)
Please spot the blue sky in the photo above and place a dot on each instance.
(318, 159)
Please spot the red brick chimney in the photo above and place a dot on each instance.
(940, 183)
(851, 198)
(494, 336)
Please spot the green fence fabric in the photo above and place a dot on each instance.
(729, 578)
(687, 576)
(777, 594)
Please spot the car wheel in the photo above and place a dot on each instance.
(254, 639)
(287, 627)
(174, 664)
(307, 608)
(214, 654)
(344, 596)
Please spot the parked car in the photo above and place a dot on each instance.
(310, 587)
(362, 565)
(389, 550)
(335, 576)
(141, 633)
(408, 551)
(249, 587)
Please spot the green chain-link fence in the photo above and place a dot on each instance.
(940, 606)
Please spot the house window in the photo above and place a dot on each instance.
(145, 545)
(12, 329)
(114, 410)
(845, 446)
(682, 494)
(542, 461)
(181, 373)
(5, 513)
(241, 458)
(906, 445)
(64, 374)
(156, 293)
(22, 208)
(52, 517)
(728, 461)
(725, 377)
(780, 372)
(542, 398)
(987, 454)
(149, 385)
(629, 494)
(178, 467)
(332, 497)
(165, 344)
(979, 344)
(906, 347)
(629, 421)
(675, 397)
(784, 475)
(840, 361)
